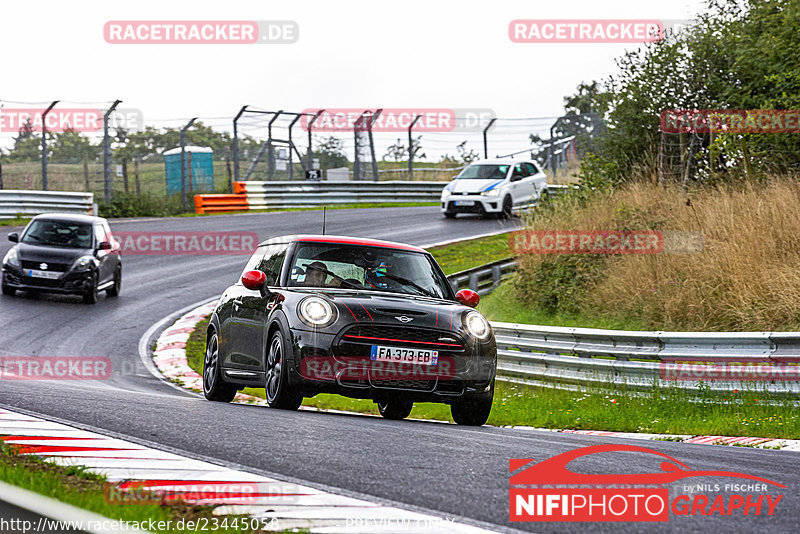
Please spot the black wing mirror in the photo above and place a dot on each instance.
(105, 245)
(13, 237)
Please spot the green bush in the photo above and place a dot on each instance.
(558, 284)
(131, 205)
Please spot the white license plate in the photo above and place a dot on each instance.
(50, 275)
(403, 355)
(465, 202)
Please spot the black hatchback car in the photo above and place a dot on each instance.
(64, 253)
(361, 318)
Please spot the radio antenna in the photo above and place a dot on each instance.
(323, 220)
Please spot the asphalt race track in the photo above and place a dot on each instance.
(450, 471)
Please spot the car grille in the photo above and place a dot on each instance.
(477, 208)
(403, 336)
(40, 282)
(58, 267)
(416, 385)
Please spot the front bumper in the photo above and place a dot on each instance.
(69, 283)
(471, 204)
(329, 363)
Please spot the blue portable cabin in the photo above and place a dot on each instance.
(202, 171)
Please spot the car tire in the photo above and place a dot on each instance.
(473, 412)
(279, 393)
(90, 293)
(508, 206)
(450, 214)
(214, 388)
(116, 288)
(395, 409)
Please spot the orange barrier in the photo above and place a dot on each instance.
(219, 203)
(239, 187)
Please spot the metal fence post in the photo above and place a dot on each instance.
(107, 152)
(236, 143)
(372, 120)
(44, 144)
(411, 148)
(310, 156)
(184, 199)
(270, 149)
(485, 141)
(291, 147)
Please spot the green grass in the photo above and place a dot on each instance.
(18, 221)
(74, 485)
(471, 253)
(749, 413)
(502, 305)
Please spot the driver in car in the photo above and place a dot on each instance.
(316, 275)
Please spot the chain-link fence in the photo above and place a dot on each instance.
(119, 155)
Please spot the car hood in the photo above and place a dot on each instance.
(50, 254)
(405, 310)
(473, 185)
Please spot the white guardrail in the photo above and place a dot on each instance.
(586, 357)
(263, 195)
(574, 358)
(15, 203)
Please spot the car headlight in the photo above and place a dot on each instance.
(491, 192)
(11, 258)
(477, 325)
(446, 192)
(316, 311)
(83, 263)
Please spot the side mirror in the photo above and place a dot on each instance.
(516, 177)
(468, 297)
(256, 281)
(105, 245)
(13, 237)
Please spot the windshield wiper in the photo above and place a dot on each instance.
(326, 271)
(407, 282)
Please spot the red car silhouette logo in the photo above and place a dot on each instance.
(554, 470)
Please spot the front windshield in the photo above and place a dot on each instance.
(332, 265)
(59, 234)
(484, 172)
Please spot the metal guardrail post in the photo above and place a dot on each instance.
(473, 281)
(496, 275)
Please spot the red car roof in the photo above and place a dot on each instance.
(357, 241)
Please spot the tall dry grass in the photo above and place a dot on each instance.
(747, 276)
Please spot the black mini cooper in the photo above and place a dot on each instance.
(361, 318)
(64, 253)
